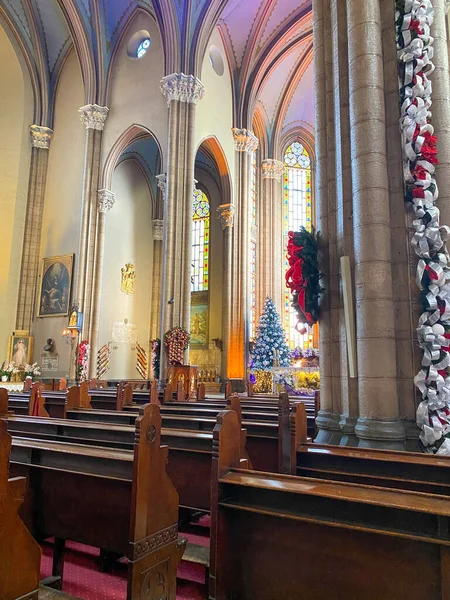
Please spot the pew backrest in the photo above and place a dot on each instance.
(20, 554)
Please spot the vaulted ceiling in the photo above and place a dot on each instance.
(268, 45)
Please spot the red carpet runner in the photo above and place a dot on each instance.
(83, 579)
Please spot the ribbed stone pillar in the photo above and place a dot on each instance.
(105, 202)
(40, 141)
(334, 262)
(182, 92)
(225, 214)
(271, 243)
(93, 118)
(155, 314)
(326, 393)
(378, 424)
(245, 144)
(441, 105)
(344, 209)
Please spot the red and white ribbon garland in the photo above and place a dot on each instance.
(415, 53)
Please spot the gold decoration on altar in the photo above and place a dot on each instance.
(128, 279)
(263, 383)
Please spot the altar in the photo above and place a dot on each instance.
(12, 386)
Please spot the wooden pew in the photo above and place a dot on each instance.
(382, 468)
(40, 402)
(268, 444)
(108, 398)
(284, 537)
(268, 434)
(190, 454)
(121, 501)
(20, 554)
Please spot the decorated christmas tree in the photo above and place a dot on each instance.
(269, 337)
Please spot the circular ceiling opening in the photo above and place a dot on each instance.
(138, 44)
(216, 60)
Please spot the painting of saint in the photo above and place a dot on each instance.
(199, 326)
(20, 349)
(56, 279)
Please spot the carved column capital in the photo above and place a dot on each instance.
(158, 229)
(225, 214)
(93, 116)
(272, 169)
(105, 200)
(182, 88)
(41, 136)
(244, 140)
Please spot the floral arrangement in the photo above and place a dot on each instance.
(156, 357)
(284, 378)
(303, 276)
(176, 340)
(309, 353)
(7, 368)
(415, 54)
(33, 370)
(297, 382)
(84, 351)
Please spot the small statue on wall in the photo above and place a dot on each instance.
(128, 279)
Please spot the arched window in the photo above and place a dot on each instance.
(297, 207)
(200, 242)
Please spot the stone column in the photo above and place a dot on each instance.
(326, 392)
(182, 92)
(225, 214)
(441, 105)
(271, 247)
(93, 118)
(155, 323)
(344, 210)
(40, 141)
(378, 424)
(245, 144)
(105, 202)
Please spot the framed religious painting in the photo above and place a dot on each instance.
(199, 327)
(55, 285)
(20, 349)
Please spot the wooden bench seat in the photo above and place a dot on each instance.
(20, 555)
(189, 462)
(120, 501)
(285, 537)
(264, 438)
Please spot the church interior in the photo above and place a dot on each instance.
(224, 299)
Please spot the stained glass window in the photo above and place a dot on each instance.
(297, 210)
(143, 47)
(200, 242)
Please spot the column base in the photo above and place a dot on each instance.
(329, 429)
(335, 430)
(347, 425)
(412, 436)
(388, 435)
(323, 424)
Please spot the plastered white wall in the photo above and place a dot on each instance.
(16, 114)
(134, 88)
(215, 110)
(62, 207)
(129, 239)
